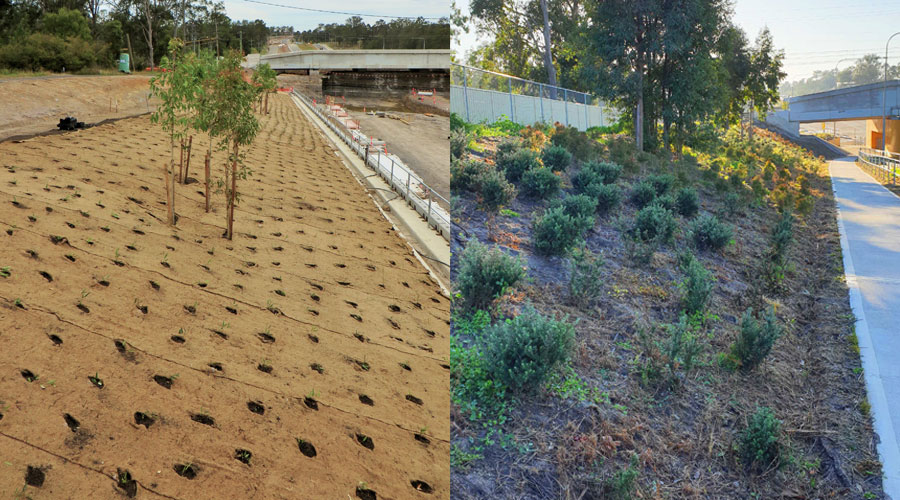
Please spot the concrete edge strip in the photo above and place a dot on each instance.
(887, 447)
(357, 173)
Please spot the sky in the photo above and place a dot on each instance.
(303, 20)
(814, 34)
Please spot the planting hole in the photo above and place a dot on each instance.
(29, 375)
(72, 422)
(366, 400)
(178, 339)
(83, 308)
(422, 439)
(306, 448)
(97, 381)
(314, 339)
(243, 455)
(163, 381)
(55, 339)
(366, 441)
(264, 368)
(143, 309)
(256, 407)
(311, 403)
(46, 275)
(217, 367)
(144, 419)
(365, 493)
(126, 483)
(34, 476)
(266, 338)
(421, 486)
(411, 398)
(203, 419)
(186, 470)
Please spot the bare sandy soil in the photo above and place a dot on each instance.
(307, 358)
(35, 105)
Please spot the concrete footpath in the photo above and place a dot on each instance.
(869, 222)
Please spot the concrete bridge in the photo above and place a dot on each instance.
(863, 102)
(360, 60)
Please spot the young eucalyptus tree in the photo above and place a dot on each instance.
(233, 124)
(266, 78)
(175, 87)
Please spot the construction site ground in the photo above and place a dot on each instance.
(34, 105)
(307, 358)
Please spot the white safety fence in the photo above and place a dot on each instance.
(401, 178)
(480, 96)
(882, 164)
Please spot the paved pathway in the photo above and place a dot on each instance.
(869, 221)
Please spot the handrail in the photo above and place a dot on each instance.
(884, 164)
(400, 177)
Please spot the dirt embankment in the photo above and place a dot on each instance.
(304, 359)
(34, 105)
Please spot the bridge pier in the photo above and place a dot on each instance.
(873, 135)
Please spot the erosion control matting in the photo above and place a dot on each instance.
(171, 362)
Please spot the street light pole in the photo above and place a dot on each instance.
(884, 96)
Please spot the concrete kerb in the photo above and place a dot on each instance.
(422, 238)
(887, 443)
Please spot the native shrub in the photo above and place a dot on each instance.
(522, 352)
(485, 274)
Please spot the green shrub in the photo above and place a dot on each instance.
(686, 202)
(516, 163)
(638, 251)
(595, 173)
(506, 147)
(696, 288)
(522, 352)
(662, 183)
(459, 139)
(654, 223)
(575, 141)
(733, 204)
(642, 194)
(760, 447)
(465, 174)
(495, 190)
(775, 265)
(666, 201)
(540, 183)
(555, 231)
(622, 485)
(485, 274)
(577, 205)
(585, 276)
(680, 348)
(40, 51)
(707, 232)
(755, 339)
(556, 158)
(608, 196)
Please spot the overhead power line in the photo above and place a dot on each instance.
(309, 9)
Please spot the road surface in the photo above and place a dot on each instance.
(869, 221)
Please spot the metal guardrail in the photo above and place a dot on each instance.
(479, 95)
(422, 198)
(882, 164)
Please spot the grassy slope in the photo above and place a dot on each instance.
(577, 438)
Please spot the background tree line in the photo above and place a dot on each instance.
(672, 64)
(866, 69)
(88, 34)
(395, 34)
